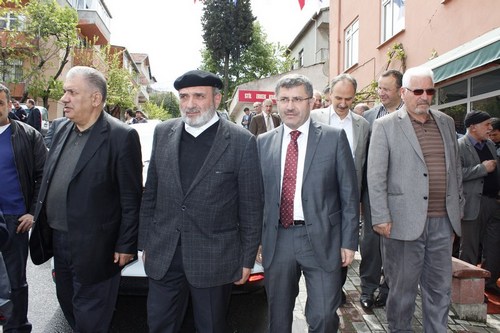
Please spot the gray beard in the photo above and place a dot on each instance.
(201, 120)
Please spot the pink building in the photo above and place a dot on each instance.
(459, 40)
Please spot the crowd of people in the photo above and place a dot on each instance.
(294, 183)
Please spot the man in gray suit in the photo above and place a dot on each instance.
(415, 187)
(370, 267)
(339, 114)
(201, 214)
(481, 182)
(311, 210)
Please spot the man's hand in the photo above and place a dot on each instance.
(490, 165)
(383, 229)
(123, 258)
(25, 223)
(244, 276)
(347, 257)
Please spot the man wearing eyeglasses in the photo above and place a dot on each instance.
(265, 121)
(311, 210)
(415, 188)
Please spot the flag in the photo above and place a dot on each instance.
(302, 3)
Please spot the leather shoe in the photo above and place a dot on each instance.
(344, 298)
(380, 300)
(366, 301)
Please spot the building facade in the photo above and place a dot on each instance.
(459, 40)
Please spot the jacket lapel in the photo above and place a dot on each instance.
(312, 144)
(219, 146)
(277, 141)
(97, 137)
(408, 131)
(171, 152)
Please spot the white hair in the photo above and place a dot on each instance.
(420, 71)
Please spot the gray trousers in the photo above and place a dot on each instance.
(294, 256)
(425, 261)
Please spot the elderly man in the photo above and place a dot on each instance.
(415, 187)
(311, 210)
(201, 215)
(264, 121)
(481, 182)
(21, 165)
(88, 207)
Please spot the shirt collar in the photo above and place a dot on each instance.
(303, 129)
(336, 116)
(195, 131)
(476, 143)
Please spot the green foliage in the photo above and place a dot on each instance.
(396, 52)
(44, 45)
(156, 111)
(367, 94)
(261, 59)
(227, 33)
(167, 100)
(121, 90)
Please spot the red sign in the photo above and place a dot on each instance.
(252, 96)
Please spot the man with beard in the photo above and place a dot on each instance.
(201, 214)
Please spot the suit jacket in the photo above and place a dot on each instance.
(398, 184)
(103, 200)
(35, 119)
(218, 220)
(258, 123)
(360, 133)
(330, 197)
(473, 173)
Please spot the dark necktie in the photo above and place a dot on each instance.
(289, 180)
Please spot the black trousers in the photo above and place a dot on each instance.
(87, 308)
(168, 300)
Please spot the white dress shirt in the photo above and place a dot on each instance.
(298, 212)
(345, 124)
(195, 131)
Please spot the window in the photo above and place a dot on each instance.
(12, 21)
(476, 92)
(301, 58)
(351, 44)
(12, 70)
(393, 18)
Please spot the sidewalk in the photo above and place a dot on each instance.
(354, 319)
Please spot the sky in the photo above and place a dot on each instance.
(170, 32)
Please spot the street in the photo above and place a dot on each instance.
(247, 311)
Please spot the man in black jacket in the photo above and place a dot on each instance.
(34, 116)
(21, 167)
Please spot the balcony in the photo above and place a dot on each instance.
(92, 25)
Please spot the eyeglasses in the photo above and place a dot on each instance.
(418, 92)
(295, 100)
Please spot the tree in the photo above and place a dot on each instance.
(227, 33)
(261, 59)
(156, 111)
(167, 100)
(44, 42)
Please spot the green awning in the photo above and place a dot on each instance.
(473, 54)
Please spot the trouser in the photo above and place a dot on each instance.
(87, 308)
(425, 261)
(15, 255)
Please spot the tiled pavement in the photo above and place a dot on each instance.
(354, 319)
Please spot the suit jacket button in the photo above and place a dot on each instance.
(425, 198)
(183, 208)
(425, 175)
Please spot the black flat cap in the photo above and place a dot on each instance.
(475, 117)
(197, 78)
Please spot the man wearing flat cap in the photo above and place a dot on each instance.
(201, 212)
(481, 183)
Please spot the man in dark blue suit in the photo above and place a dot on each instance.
(88, 206)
